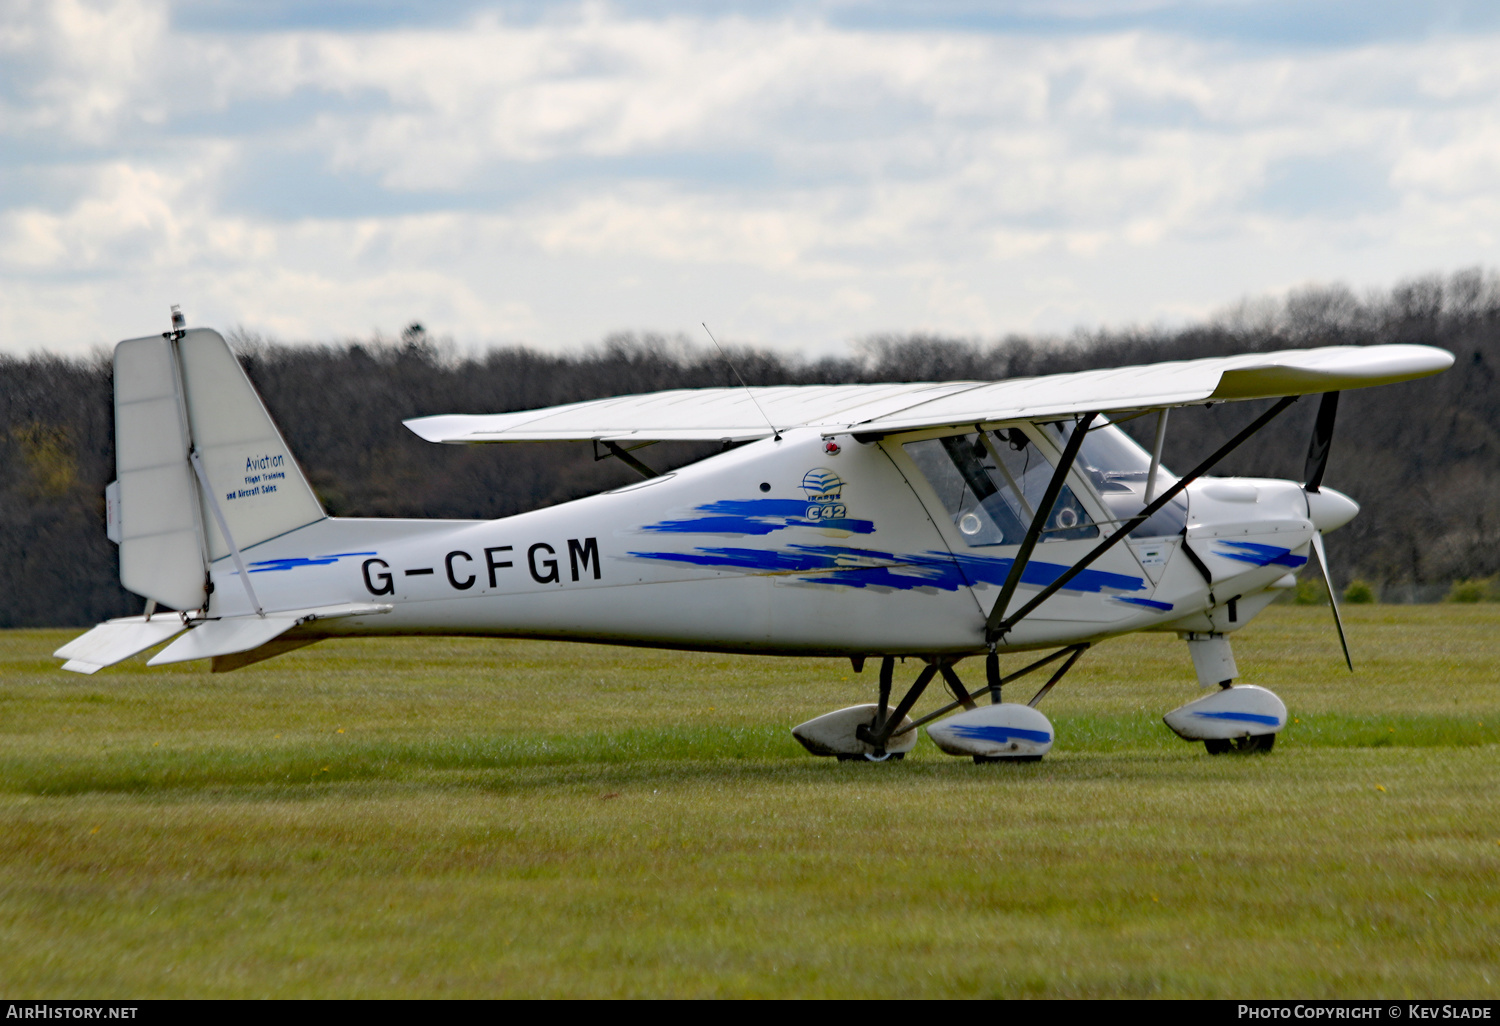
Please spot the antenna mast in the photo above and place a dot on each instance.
(775, 434)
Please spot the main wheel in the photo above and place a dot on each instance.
(1255, 743)
(870, 757)
(1252, 743)
(980, 760)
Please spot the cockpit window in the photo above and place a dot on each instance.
(1117, 467)
(990, 484)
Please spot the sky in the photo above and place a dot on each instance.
(796, 175)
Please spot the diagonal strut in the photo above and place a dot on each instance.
(993, 633)
(1039, 520)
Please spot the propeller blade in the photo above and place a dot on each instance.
(1322, 554)
(1322, 442)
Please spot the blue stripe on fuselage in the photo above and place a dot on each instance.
(754, 517)
(870, 568)
(1259, 555)
(293, 562)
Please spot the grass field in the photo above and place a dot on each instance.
(472, 818)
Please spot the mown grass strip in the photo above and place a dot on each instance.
(429, 817)
(139, 768)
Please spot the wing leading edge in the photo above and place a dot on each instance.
(728, 414)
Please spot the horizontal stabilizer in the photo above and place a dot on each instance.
(117, 640)
(222, 637)
(211, 638)
(270, 650)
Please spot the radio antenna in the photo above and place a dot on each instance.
(776, 434)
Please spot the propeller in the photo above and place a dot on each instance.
(1322, 554)
(1329, 509)
(1322, 443)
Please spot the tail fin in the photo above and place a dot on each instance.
(180, 396)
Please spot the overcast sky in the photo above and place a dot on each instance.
(796, 175)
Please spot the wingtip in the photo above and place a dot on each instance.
(443, 427)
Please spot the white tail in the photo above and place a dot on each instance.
(177, 396)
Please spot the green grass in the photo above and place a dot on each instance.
(471, 818)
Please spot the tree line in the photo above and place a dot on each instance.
(1422, 458)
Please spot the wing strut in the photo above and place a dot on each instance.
(1156, 448)
(622, 454)
(994, 632)
(1038, 521)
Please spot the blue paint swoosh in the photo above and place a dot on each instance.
(1000, 734)
(871, 568)
(1165, 607)
(754, 517)
(1240, 717)
(262, 566)
(1260, 555)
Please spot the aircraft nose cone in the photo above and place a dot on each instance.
(1329, 509)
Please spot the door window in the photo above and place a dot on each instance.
(990, 484)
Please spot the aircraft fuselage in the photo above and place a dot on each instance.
(804, 545)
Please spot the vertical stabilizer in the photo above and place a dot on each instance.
(259, 488)
(176, 396)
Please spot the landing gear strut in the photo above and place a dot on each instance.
(994, 733)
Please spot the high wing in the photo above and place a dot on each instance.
(731, 414)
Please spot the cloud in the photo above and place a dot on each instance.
(800, 175)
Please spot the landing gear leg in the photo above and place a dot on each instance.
(876, 732)
(882, 717)
(887, 671)
(879, 732)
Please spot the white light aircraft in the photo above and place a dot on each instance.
(939, 521)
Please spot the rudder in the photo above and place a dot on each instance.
(177, 396)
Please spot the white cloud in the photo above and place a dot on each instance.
(81, 64)
(798, 182)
